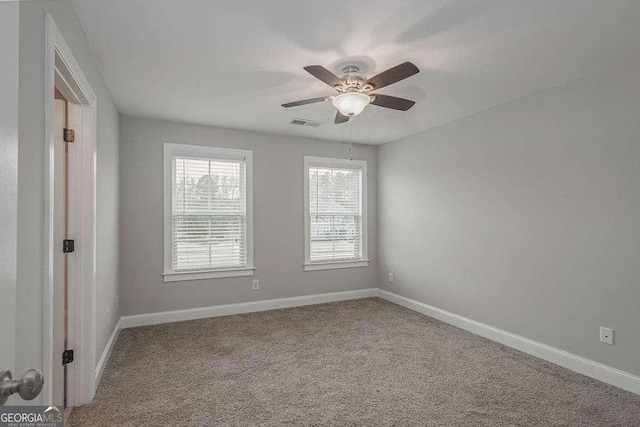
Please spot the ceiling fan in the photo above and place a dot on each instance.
(355, 90)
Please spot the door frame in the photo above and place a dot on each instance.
(62, 71)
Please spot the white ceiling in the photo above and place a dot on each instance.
(232, 63)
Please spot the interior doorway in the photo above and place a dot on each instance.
(64, 229)
(69, 314)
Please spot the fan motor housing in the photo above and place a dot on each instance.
(353, 77)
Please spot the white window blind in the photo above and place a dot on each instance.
(208, 212)
(335, 216)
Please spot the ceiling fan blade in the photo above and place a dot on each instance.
(341, 118)
(305, 102)
(321, 73)
(393, 75)
(392, 102)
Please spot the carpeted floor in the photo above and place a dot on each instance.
(365, 362)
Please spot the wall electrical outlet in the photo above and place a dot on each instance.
(606, 335)
(256, 284)
(108, 317)
(391, 277)
(117, 302)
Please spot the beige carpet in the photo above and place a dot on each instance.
(365, 362)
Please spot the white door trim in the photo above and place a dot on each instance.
(62, 70)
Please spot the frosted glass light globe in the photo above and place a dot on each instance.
(351, 103)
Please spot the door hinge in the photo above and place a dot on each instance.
(68, 246)
(67, 356)
(69, 135)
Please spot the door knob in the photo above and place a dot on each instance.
(28, 386)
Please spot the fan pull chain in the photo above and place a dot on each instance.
(350, 139)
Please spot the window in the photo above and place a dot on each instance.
(208, 205)
(335, 193)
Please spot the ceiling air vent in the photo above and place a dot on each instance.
(305, 122)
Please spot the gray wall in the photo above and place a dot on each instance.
(526, 217)
(278, 218)
(31, 178)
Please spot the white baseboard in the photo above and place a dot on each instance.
(565, 359)
(245, 307)
(102, 363)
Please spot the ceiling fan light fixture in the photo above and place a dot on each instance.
(351, 103)
(354, 89)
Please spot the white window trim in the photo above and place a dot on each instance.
(341, 163)
(170, 150)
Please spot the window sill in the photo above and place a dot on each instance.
(207, 274)
(331, 265)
